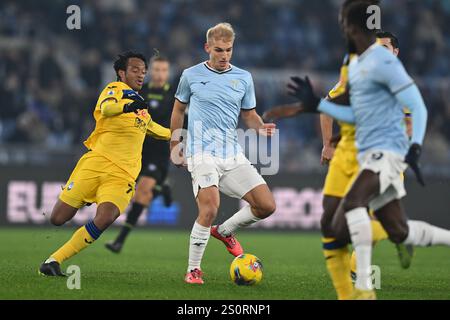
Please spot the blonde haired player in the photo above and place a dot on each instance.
(218, 93)
(106, 173)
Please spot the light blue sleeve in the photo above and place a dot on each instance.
(249, 99)
(389, 71)
(336, 111)
(412, 99)
(183, 93)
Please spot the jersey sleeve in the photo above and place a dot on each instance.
(119, 94)
(183, 93)
(112, 91)
(157, 131)
(390, 72)
(249, 99)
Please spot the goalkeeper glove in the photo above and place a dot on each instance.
(412, 159)
(303, 91)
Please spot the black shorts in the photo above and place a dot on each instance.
(155, 170)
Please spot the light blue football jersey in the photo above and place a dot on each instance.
(215, 101)
(375, 77)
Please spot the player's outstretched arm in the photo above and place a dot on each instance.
(326, 127)
(176, 126)
(283, 111)
(338, 112)
(337, 95)
(412, 98)
(254, 121)
(301, 88)
(112, 107)
(157, 131)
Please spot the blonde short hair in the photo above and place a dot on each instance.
(221, 31)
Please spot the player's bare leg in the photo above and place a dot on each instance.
(142, 199)
(261, 205)
(107, 213)
(61, 213)
(261, 201)
(394, 221)
(330, 205)
(340, 226)
(408, 233)
(144, 190)
(208, 201)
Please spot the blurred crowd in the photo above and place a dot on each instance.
(51, 76)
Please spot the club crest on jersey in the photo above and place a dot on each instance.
(234, 83)
(140, 124)
(70, 186)
(110, 92)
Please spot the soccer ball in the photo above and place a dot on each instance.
(246, 270)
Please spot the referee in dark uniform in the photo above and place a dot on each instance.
(155, 153)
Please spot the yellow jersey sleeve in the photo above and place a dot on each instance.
(116, 91)
(113, 90)
(157, 131)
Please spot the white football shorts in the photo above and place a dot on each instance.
(234, 176)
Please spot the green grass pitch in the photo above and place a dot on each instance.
(153, 263)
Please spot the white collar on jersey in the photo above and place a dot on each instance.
(368, 50)
(217, 71)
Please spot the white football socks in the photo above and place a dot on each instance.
(358, 222)
(423, 234)
(197, 245)
(242, 218)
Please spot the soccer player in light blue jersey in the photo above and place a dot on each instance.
(379, 88)
(217, 93)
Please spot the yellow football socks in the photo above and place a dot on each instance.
(337, 258)
(82, 238)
